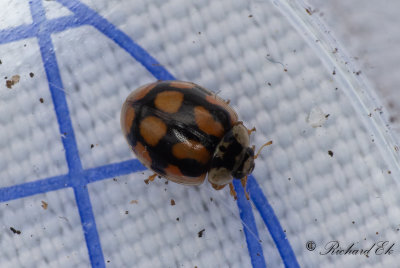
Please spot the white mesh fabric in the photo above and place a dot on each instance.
(330, 182)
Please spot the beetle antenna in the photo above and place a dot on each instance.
(251, 130)
(259, 150)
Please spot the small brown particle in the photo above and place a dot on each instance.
(330, 153)
(15, 231)
(377, 232)
(44, 205)
(327, 115)
(41, 100)
(309, 11)
(134, 202)
(285, 70)
(14, 80)
(250, 16)
(200, 233)
(334, 72)
(389, 172)
(353, 222)
(31, 74)
(150, 178)
(9, 83)
(115, 179)
(126, 212)
(172, 202)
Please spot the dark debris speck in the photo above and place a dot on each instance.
(15, 231)
(201, 232)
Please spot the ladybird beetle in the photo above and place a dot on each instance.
(181, 131)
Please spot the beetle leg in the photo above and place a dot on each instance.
(244, 183)
(150, 178)
(259, 150)
(232, 191)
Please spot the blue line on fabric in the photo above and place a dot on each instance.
(252, 238)
(58, 96)
(63, 181)
(89, 226)
(32, 188)
(272, 223)
(31, 30)
(65, 125)
(113, 170)
(88, 16)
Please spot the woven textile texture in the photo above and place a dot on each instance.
(73, 195)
